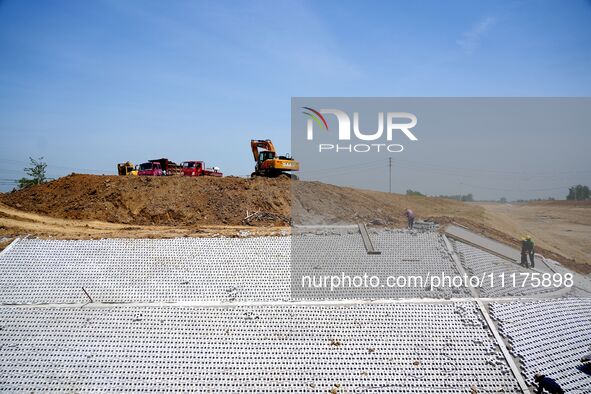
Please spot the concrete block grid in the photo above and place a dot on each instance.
(478, 262)
(410, 348)
(214, 269)
(145, 270)
(402, 253)
(549, 336)
(399, 347)
(394, 245)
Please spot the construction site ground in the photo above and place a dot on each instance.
(223, 314)
(217, 275)
(91, 207)
(561, 227)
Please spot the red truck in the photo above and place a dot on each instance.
(197, 168)
(168, 167)
(150, 169)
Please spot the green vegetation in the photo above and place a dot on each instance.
(410, 192)
(578, 192)
(36, 174)
(460, 197)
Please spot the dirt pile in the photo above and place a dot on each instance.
(184, 201)
(179, 201)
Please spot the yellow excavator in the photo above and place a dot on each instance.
(126, 168)
(268, 163)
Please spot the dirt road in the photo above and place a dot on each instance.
(15, 223)
(563, 227)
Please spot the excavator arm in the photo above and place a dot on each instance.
(261, 144)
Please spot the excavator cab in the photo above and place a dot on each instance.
(266, 155)
(268, 164)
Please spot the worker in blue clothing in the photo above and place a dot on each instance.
(546, 383)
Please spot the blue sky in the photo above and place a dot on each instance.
(87, 84)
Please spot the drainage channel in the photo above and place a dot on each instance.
(489, 322)
(367, 240)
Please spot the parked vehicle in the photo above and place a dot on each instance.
(168, 167)
(150, 169)
(268, 163)
(197, 168)
(126, 168)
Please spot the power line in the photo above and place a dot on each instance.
(518, 190)
(344, 169)
(341, 167)
(351, 170)
(503, 172)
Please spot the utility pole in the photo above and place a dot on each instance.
(390, 175)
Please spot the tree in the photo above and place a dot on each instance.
(578, 192)
(410, 192)
(460, 197)
(468, 197)
(36, 173)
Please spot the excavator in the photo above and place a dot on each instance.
(268, 163)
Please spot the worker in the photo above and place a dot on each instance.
(410, 215)
(586, 364)
(546, 383)
(527, 250)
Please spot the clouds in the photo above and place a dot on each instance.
(470, 40)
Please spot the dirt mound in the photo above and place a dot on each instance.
(184, 201)
(180, 201)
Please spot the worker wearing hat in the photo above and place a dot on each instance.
(527, 250)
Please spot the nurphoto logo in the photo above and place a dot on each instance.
(395, 121)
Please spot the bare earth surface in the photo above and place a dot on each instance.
(15, 223)
(93, 206)
(206, 201)
(562, 227)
